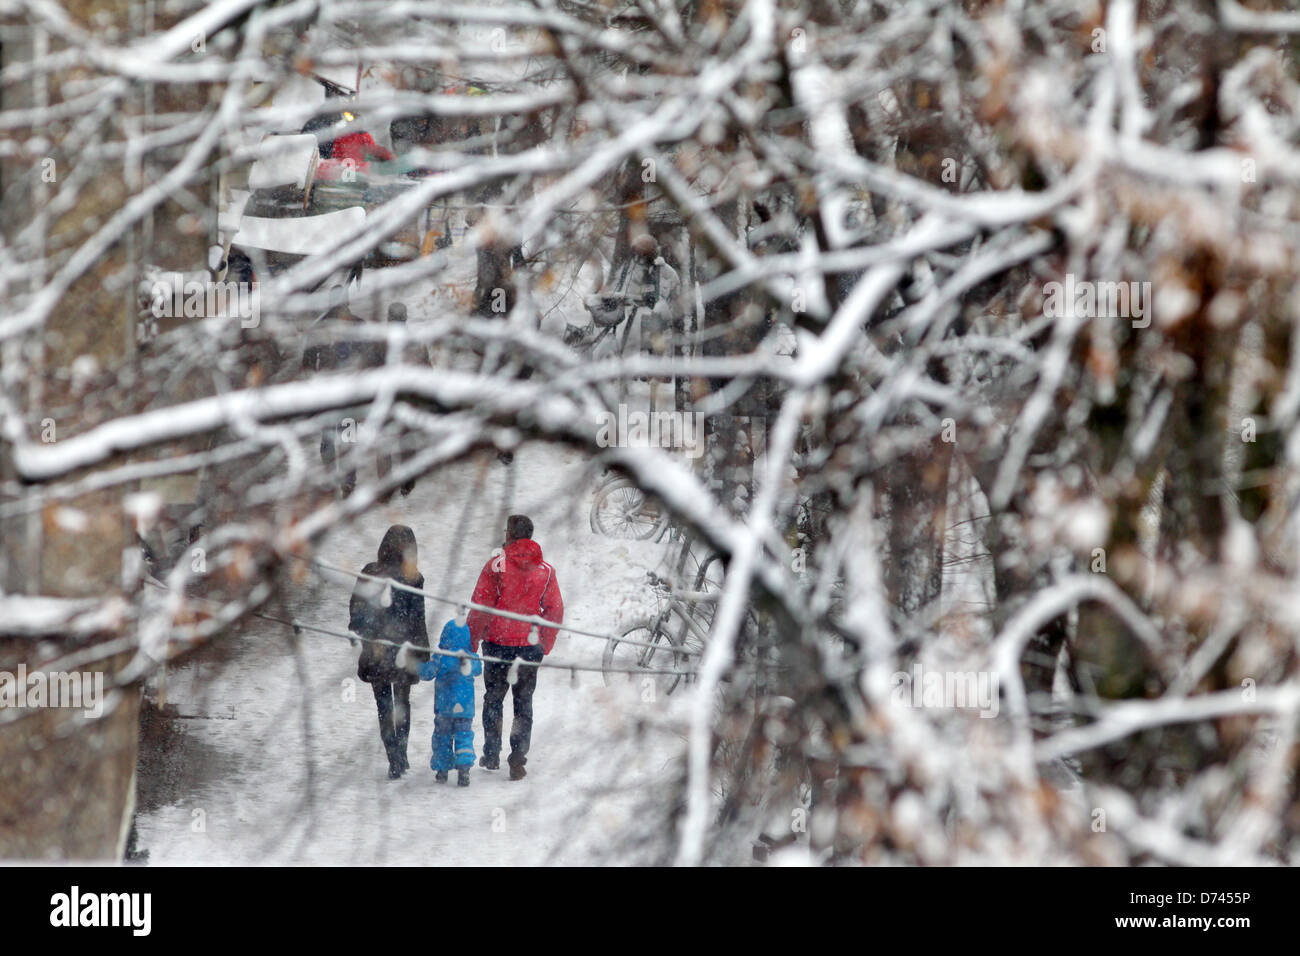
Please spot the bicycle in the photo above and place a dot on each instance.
(622, 510)
(670, 644)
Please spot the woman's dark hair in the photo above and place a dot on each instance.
(398, 545)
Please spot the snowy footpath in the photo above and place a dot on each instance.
(282, 761)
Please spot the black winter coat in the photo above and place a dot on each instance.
(401, 622)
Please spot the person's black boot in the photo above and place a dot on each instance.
(490, 763)
(402, 734)
(390, 750)
(462, 777)
(517, 771)
(440, 776)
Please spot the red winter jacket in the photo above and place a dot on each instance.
(517, 580)
(360, 147)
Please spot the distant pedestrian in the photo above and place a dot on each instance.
(385, 618)
(649, 282)
(412, 354)
(645, 292)
(341, 352)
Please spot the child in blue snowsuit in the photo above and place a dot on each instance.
(453, 703)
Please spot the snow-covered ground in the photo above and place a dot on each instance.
(298, 773)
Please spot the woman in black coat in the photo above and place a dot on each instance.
(399, 621)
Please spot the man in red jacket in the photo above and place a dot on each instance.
(515, 579)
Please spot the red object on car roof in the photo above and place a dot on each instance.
(358, 149)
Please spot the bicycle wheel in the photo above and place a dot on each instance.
(645, 646)
(622, 510)
(708, 573)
